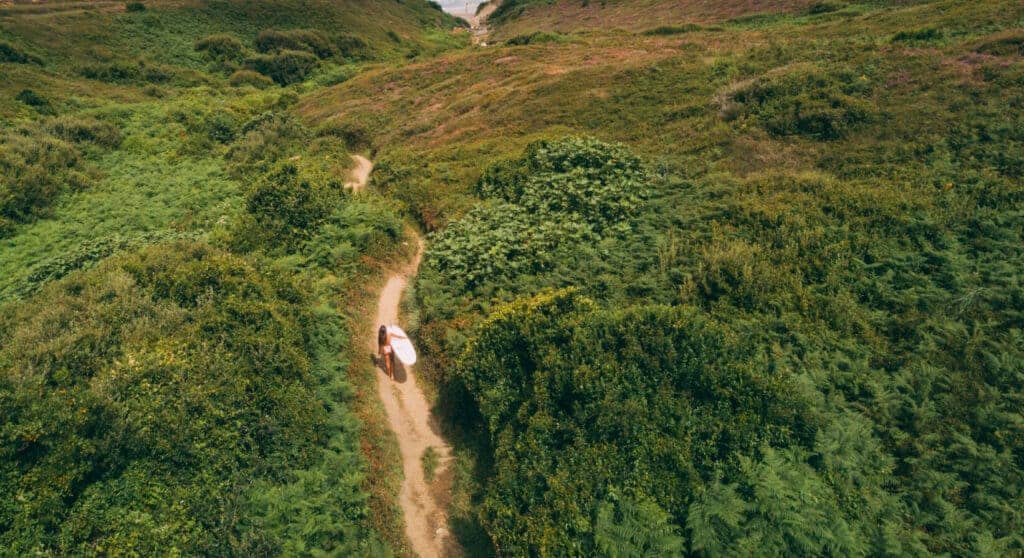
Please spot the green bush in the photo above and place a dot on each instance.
(824, 7)
(536, 38)
(807, 101)
(358, 227)
(38, 102)
(308, 40)
(127, 72)
(914, 36)
(222, 47)
(333, 75)
(11, 53)
(1012, 45)
(354, 136)
(284, 208)
(79, 129)
(264, 140)
(666, 30)
(284, 67)
(242, 78)
(580, 178)
(352, 47)
(35, 169)
(170, 397)
(497, 243)
(134, 7)
(583, 404)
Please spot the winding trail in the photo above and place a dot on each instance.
(408, 412)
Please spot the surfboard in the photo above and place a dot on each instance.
(402, 346)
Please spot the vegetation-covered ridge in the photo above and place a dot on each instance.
(836, 190)
(517, 17)
(728, 280)
(179, 268)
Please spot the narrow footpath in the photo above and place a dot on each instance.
(408, 411)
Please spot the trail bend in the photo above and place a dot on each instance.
(409, 417)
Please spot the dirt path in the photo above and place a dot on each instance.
(409, 416)
(360, 174)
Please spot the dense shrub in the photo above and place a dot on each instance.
(666, 30)
(134, 7)
(35, 100)
(1011, 45)
(824, 7)
(351, 47)
(248, 77)
(284, 67)
(583, 405)
(333, 75)
(913, 36)
(581, 178)
(178, 398)
(265, 139)
(804, 100)
(80, 129)
(283, 208)
(220, 126)
(497, 243)
(354, 136)
(222, 47)
(536, 38)
(35, 169)
(127, 72)
(11, 53)
(359, 226)
(308, 40)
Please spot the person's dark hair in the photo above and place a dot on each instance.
(382, 335)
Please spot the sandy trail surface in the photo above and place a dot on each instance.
(410, 418)
(360, 174)
(408, 412)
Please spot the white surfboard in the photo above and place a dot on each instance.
(402, 346)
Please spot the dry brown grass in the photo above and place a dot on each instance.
(638, 15)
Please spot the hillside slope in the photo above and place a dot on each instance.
(796, 277)
(181, 269)
(516, 17)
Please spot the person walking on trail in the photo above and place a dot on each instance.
(384, 350)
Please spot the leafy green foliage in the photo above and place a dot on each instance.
(804, 100)
(535, 38)
(86, 130)
(500, 242)
(309, 40)
(634, 528)
(582, 178)
(41, 104)
(667, 30)
(128, 72)
(249, 77)
(284, 67)
(13, 54)
(918, 36)
(157, 389)
(35, 169)
(284, 207)
(561, 385)
(557, 197)
(357, 227)
(222, 47)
